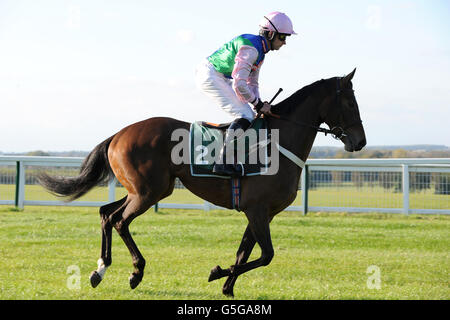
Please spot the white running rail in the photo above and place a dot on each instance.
(406, 186)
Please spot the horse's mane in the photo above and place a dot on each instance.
(287, 106)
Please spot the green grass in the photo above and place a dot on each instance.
(36, 192)
(318, 256)
(375, 197)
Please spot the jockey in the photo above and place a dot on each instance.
(230, 77)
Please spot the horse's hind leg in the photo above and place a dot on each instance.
(105, 255)
(136, 206)
(242, 255)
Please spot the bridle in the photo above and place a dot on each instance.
(336, 132)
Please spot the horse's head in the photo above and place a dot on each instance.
(342, 114)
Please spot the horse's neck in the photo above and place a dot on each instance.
(297, 138)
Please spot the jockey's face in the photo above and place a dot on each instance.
(278, 41)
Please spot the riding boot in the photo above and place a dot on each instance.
(222, 167)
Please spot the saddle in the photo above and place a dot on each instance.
(220, 126)
(206, 141)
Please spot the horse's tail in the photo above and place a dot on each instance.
(95, 169)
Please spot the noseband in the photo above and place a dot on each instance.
(336, 132)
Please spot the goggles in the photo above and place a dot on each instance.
(283, 36)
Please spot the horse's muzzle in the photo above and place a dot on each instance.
(350, 145)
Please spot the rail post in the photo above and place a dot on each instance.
(16, 200)
(112, 190)
(20, 185)
(405, 185)
(304, 187)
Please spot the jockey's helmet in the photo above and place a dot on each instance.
(275, 22)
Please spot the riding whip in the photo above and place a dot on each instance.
(270, 102)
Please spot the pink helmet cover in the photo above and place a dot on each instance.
(278, 22)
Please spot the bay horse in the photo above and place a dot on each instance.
(139, 156)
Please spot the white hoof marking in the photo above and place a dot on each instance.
(101, 268)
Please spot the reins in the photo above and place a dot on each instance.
(304, 124)
(336, 135)
(336, 132)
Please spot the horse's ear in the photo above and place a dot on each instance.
(349, 77)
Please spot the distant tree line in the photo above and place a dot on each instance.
(397, 153)
(372, 153)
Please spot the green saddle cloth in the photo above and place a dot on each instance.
(206, 141)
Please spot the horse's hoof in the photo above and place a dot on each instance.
(215, 273)
(228, 292)
(95, 279)
(134, 280)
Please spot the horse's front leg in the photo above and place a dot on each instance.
(242, 255)
(259, 226)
